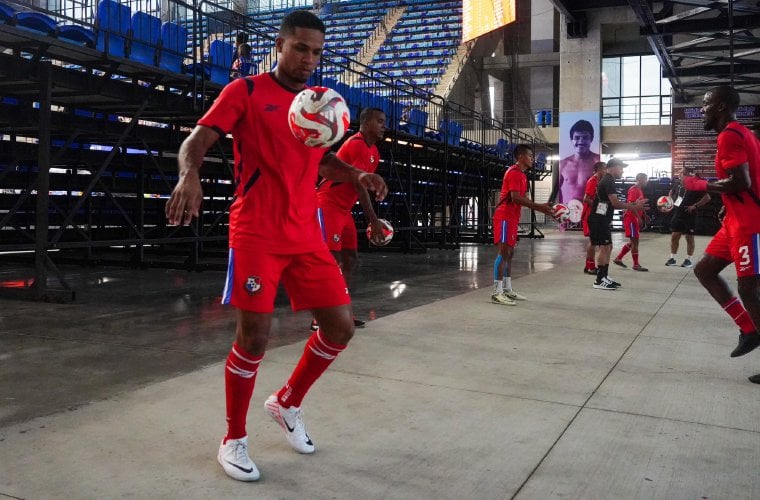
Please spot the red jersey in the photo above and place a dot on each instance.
(590, 191)
(275, 203)
(738, 145)
(634, 193)
(514, 180)
(355, 151)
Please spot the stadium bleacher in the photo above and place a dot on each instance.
(130, 83)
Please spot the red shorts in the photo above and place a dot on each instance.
(312, 280)
(505, 231)
(338, 228)
(743, 250)
(631, 225)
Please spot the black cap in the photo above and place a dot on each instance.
(614, 162)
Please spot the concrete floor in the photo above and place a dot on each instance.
(576, 393)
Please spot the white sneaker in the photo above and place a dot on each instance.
(291, 421)
(500, 298)
(234, 459)
(514, 295)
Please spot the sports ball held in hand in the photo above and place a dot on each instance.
(387, 233)
(561, 213)
(665, 203)
(318, 117)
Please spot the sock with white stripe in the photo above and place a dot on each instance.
(318, 354)
(239, 379)
(738, 313)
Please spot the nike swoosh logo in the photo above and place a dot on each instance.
(247, 471)
(290, 429)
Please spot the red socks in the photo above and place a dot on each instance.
(635, 256)
(239, 379)
(623, 251)
(736, 310)
(317, 356)
(590, 264)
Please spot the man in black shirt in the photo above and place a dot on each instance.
(600, 218)
(684, 219)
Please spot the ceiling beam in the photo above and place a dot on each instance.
(712, 70)
(643, 11)
(702, 49)
(708, 25)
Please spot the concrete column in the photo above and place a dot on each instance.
(580, 70)
(541, 41)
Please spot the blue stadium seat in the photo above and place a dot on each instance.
(220, 58)
(6, 14)
(37, 22)
(172, 47)
(501, 148)
(417, 122)
(146, 30)
(330, 83)
(112, 21)
(73, 33)
(354, 101)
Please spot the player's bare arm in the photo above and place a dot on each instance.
(737, 179)
(369, 214)
(704, 200)
(185, 200)
(333, 168)
(637, 205)
(527, 202)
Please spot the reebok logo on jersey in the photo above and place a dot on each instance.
(271, 107)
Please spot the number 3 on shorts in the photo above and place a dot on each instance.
(744, 252)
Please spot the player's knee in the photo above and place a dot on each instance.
(339, 333)
(703, 271)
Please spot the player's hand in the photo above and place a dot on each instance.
(642, 204)
(377, 232)
(691, 209)
(694, 184)
(185, 200)
(546, 208)
(374, 182)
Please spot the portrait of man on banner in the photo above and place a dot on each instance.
(579, 151)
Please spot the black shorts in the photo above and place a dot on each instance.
(600, 232)
(684, 223)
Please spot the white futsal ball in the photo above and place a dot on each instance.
(560, 212)
(387, 233)
(665, 203)
(319, 117)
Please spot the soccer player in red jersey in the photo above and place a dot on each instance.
(335, 199)
(737, 164)
(632, 222)
(506, 218)
(600, 168)
(274, 235)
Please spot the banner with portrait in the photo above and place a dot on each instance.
(579, 149)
